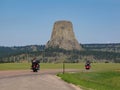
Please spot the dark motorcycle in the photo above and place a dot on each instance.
(35, 67)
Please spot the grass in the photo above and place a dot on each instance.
(94, 80)
(14, 66)
(25, 66)
(101, 77)
(95, 66)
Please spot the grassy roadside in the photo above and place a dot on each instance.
(14, 66)
(94, 80)
(101, 77)
(25, 66)
(95, 66)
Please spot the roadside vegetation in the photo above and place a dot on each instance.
(100, 77)
(94, 66)
(26, 66)
(94, 80)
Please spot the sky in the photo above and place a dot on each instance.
(30, 22)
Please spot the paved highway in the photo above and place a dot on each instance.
(27, 80)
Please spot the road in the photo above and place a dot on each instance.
(27, 80)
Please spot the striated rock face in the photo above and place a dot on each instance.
(63, 36)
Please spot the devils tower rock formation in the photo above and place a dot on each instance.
(63, 36)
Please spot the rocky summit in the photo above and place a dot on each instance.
(63, 36)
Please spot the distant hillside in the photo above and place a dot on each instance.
(93, 52)
(6, 51)
(112, 47)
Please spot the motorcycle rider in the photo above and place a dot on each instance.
(35, 61)
(87, 64)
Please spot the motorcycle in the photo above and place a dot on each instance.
(35, 67)
(87, 66)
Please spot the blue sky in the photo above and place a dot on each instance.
(30, 22)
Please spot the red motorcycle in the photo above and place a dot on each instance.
(87, 66)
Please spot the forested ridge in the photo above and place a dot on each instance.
(93, 52)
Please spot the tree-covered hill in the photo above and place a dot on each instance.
(93, 52)
(6, 51)
(112, 47)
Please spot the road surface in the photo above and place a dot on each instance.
(28, 80)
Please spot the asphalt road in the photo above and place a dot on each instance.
(28, 80)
